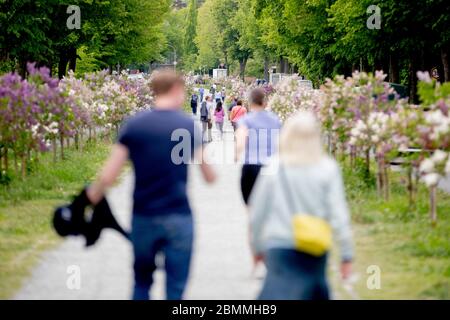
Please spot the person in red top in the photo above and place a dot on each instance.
(237, 113)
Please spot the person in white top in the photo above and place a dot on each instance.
(301, 180)
(218, 96)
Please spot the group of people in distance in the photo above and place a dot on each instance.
(212, 110)
(285, 172)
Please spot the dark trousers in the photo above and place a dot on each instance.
(194, 108)
(292, 275)
(171, 235)
(249, 175)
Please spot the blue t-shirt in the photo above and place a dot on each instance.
(161, 143)
(263, 134)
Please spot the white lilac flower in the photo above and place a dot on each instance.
(375, 139)
(34, 129)
(424, 76)
(431, 179)
(360, 125)
(427, 166)
(434, 117)
(439, 156)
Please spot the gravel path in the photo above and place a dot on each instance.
(222, 267)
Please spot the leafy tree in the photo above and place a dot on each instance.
(207, 37)
(25, 25)
(189, 46)
(112, 31)
(172, 25)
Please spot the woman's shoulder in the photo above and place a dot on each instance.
(329, 165)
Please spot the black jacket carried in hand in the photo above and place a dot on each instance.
(72, 219)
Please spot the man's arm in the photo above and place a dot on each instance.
(206, 169)
(241, 139)
(109, 173)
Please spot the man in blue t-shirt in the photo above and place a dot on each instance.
(257, 137)
(160, 144)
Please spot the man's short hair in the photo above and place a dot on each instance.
(165, 80)
(258, 97)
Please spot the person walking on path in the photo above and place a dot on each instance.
(232, 104)
(218, 97)
(301, 190)
(256, 137)
(206, 119)
(219, 115)
(201, 91)
(224, 94)
(162, 219)
(194, 103)
(237, 112)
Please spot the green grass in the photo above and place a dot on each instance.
(414, 256)
(49, 180)
(26, 208)
(25, 232)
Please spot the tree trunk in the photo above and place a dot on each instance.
(61, 141)
(379, 182)
(387, 191)
(16, 164)
(242, 65)
(353, 152)
(73, 59)
(433, 207)
(266, 68)
(394, 75)
(444, 57)
(367, 160)
(24, 166)
(286, 66)
(54, 147)
(413, 80)
(283, 65)
(1, 165)
(225, 55)
(62, 64)
(6, 160)
(81, 140)
(77, 141)
(380, 178)
(411, 187)
(23, 68)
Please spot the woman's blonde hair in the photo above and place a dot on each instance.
(301, 140)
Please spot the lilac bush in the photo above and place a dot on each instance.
(39, 111)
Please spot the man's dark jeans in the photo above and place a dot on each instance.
(171, 235)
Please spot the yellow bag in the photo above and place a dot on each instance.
(312, 234)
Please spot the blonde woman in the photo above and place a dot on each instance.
(303, 180)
